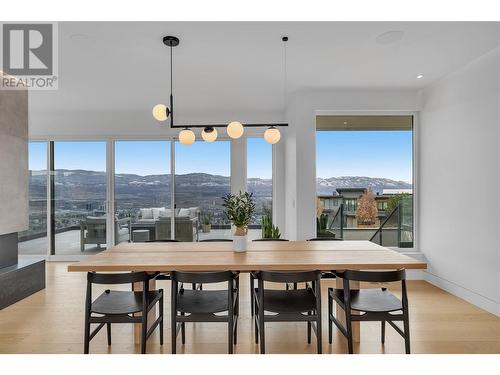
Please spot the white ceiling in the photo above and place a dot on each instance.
(238, 67)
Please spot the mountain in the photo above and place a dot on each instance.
(85, 184)
(326, 186)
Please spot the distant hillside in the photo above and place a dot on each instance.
(326, 186)
(85, 184)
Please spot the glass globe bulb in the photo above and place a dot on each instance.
(209, 134)
(272, 135)
(235, 129)
(160, 112)
(186, 137)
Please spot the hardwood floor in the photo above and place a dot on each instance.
(51, 321)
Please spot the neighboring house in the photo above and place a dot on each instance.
(349, 198)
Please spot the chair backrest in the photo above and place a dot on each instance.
(117, 278)
(202, 277)
(373, 276)
(288, 277)
(216, 240)
(270, 239)
(325, 239)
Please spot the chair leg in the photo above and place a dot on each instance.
(235, 339)
(86, 337)
(330, 324)
(108, 326)
(349, 333)
(318, 334)
(252, 302)
(161, 318)
(407, 333)
(308, 329)
(144, 332)
(262, 333)
(230, 333)
(183, 331)
(382, 338)
(256, 329)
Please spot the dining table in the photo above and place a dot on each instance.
(164, 257)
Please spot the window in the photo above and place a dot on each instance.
(350, 204)
(373, 153)
(142, 188)
(80, 197)
(382, 206)
(202, 178)
(34, 240)
(260, 181)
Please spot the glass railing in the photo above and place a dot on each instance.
(397, 229)
(336, 225)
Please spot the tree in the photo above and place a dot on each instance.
(366, 213)
(394, 201)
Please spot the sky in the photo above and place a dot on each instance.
(153, 157)
(386, 154)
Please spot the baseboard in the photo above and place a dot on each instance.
(463, 293)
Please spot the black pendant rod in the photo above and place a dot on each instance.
(171, 90)
(173, 41)
(266, 125)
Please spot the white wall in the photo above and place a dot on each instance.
(460, 180)
(300, 144)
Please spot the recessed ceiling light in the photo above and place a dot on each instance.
(390, 37)
(420, 76)
(78, 36)
(345, 122)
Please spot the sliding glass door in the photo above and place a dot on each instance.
(142, 190)
(34, 239)
(260, 183)
(202, 178)
(80, 205)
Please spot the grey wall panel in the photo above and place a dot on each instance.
(13, 160)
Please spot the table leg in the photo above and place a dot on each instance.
(341, 314)
(151, 315)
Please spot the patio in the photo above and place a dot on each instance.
(68, 243)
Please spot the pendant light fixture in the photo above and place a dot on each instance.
(209, 134)
(234, 129)
(272, 135)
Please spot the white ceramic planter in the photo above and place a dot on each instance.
(240, 243)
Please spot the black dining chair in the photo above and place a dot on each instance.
(204, 305)
(374, 304)
(326, 275)
(252, 280)
(163, 276)
(121, 306)
(296, 305)
(216, 240)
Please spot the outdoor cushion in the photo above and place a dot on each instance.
(184, 212)
(146, 213)
(156, 211)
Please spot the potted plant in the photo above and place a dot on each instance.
(268, 229)
(239, 210)
(205, 225)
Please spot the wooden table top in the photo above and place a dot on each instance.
(218, 256)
